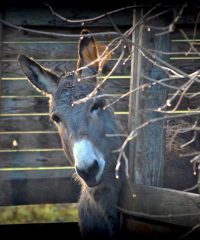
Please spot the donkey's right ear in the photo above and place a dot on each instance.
(87, 52)
(43, 79)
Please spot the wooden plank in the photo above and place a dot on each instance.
(149, 146)
(117, 86)
(179, 82)
(24, 88)
(187, 65)
(32, 17)
(189, 15)
(188, 29)
(29, 141)
(34, 123)
(33, 159)
(18, 88)
(20, 105)
(37, 187)
(134, 84)
(40, 105)
(12, 69)
(1, 36)
(186, 103)
(178, 171)
(161, 204)
(123, 119)
(41, 50)
(12, 35)
(26, 123)
(182, 49)
(50, 50)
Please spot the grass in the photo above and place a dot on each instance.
(42, 213)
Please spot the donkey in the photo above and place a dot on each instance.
(83, 126)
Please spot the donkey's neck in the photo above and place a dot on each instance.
(105, 196)
(99, 203)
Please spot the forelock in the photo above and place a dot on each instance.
(71, 89)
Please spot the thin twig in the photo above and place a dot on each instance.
(53, 34)
(189, 232)
(86, 20)
(171, 26)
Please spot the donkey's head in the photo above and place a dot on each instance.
(82, 125)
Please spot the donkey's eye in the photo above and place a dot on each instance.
(55, 118)
(96, 106)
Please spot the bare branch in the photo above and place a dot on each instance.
(171, 26)
(189, 232)
(191, 141)
(86, 20)
(192, 188)
(53, 34)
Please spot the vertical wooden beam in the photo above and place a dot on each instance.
(1, 38)
(134, 84)
(199, 181)
(148, 149)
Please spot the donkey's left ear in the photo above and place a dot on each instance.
(87, 52)
(42, 78)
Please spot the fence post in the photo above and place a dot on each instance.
(147, 150)
(1, 36)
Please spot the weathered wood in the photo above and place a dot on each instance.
(26, 123)
(35, 123)
(12, 35)
(12, 69)
(188, 29)
(188, 65)
(42, 50)
(43, 17)
(180, 82)
(150, 141)
(20, 105)
(18, 88)
(134, 84)
(183, 49)
(37, 187)
(161, 204)
(68, 49)
(26, 141)
(186, 103)
(24, 88)
(40, 105)
(189, 15)
(179, 168)
(48, 50)
(41, 186)
(1, 36)
(33, 159)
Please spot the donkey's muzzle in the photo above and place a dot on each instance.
(89, 175)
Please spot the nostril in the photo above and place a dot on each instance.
(89, 172)
(94, 168)
(81, 172)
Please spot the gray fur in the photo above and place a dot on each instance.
(97, 205)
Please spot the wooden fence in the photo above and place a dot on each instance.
(31, 155)
(33, 167)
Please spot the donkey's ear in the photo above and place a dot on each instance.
(43, 79)
(87, 52)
